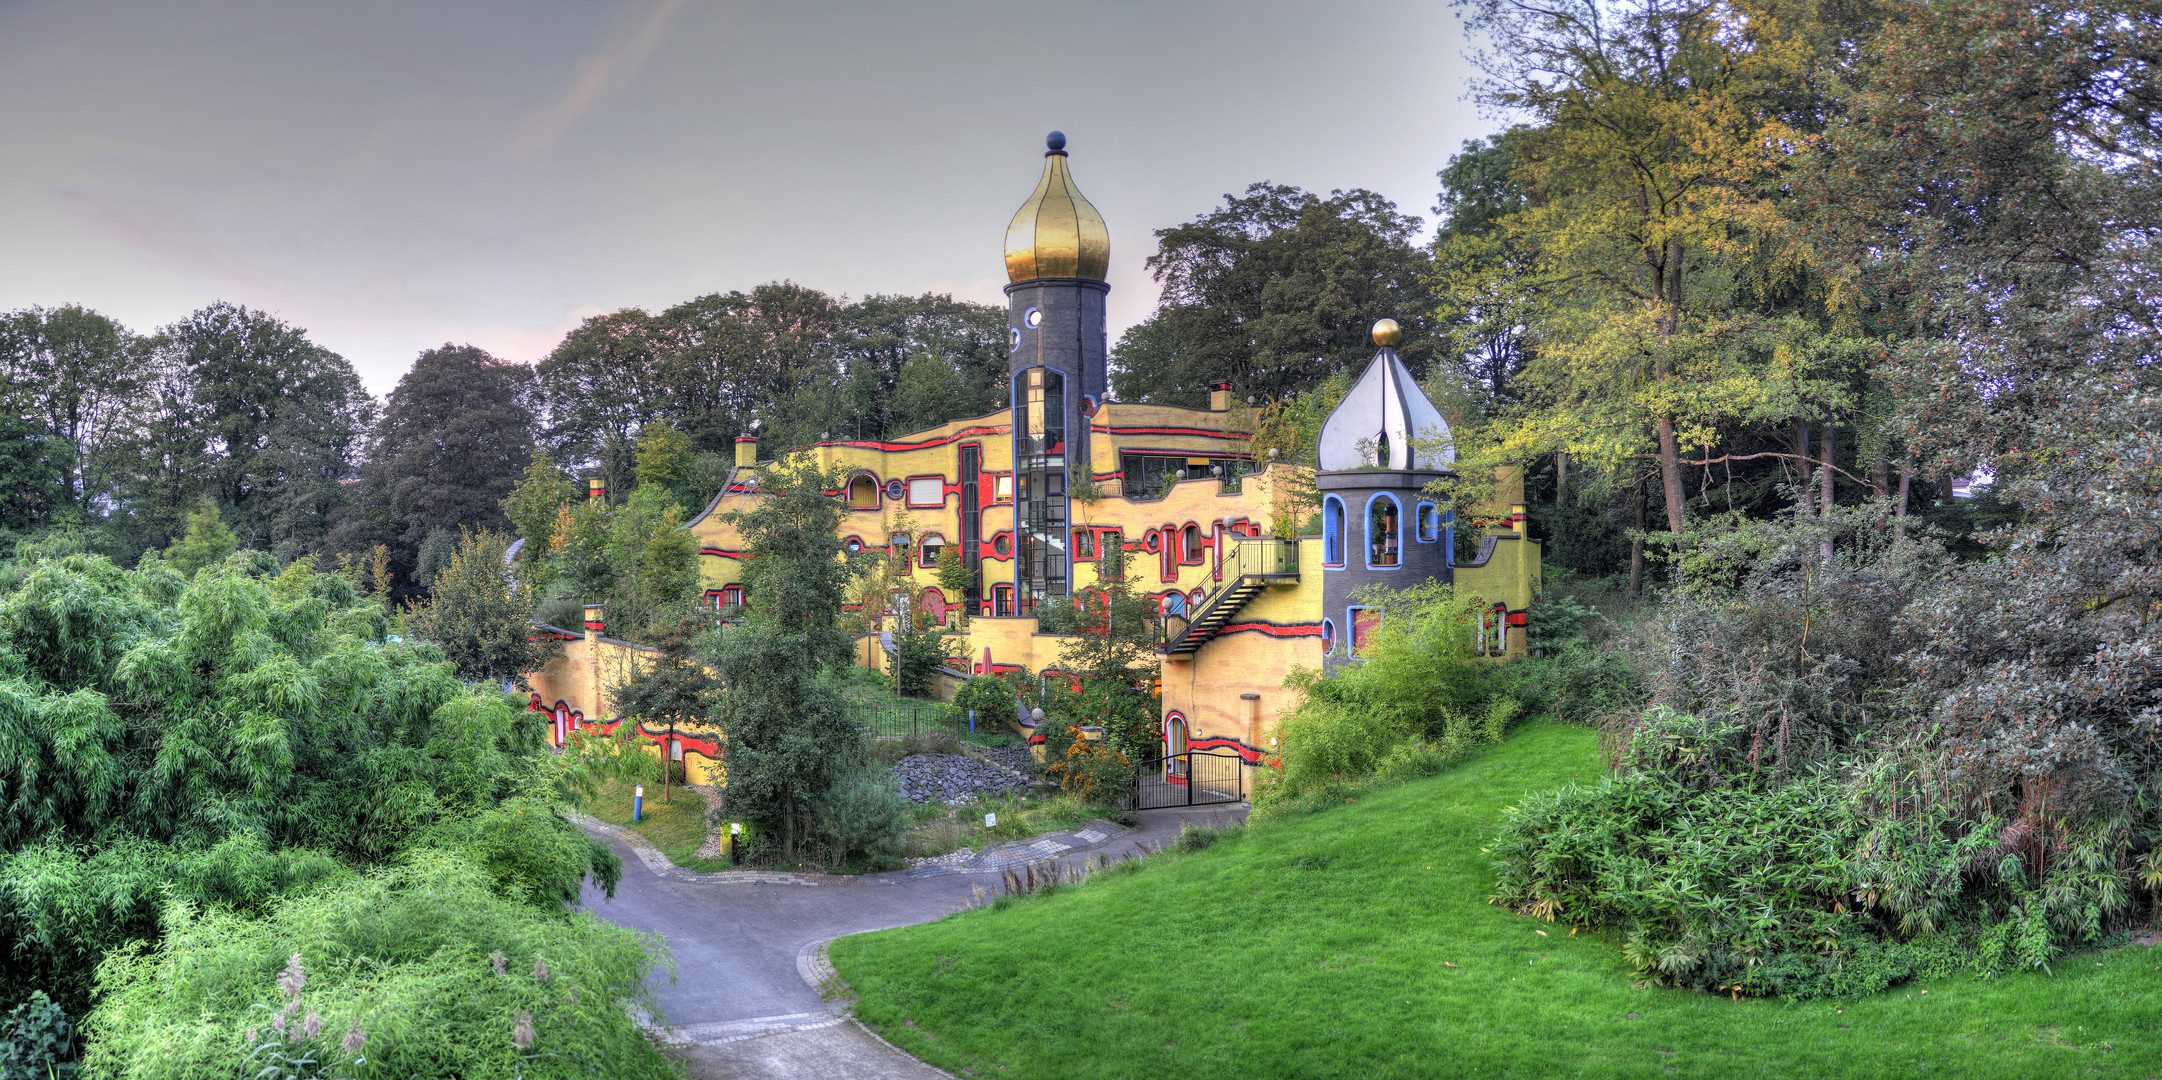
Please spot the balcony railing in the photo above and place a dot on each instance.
(1267, 556)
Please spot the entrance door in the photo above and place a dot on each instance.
(1175, 762)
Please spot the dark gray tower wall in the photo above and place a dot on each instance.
(1070, 339)
(1418, 559)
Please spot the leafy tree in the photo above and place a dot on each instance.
(34, 466)
(1273, 292)
(480, 614)
(433, 558)
(913, 361)
(539, 498)
(1113, 650)
(674, 693)
(666, 461)
(79, 374)
(789, 736)
(454, 440)
(1669, 294)
(599, 388)
(280, 418)
(207, 541)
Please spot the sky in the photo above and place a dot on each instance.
(396, 175)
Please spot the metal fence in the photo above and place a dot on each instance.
(901, 719)
(1195, 778)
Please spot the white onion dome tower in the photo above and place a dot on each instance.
(1379, 449)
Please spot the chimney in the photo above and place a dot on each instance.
(746, 451)
(593, 620)
(596, 489)
(1220, 397)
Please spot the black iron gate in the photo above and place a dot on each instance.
(1194, 778)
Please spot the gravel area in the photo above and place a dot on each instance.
(951, 778)
(959, 857)
(1013, 757)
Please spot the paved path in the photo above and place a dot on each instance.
(748, 952)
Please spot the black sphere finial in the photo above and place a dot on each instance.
(1056, 140)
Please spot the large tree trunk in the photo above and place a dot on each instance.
(1636, 541)
(1880, 478)
(1561, 475)
(1670, 473)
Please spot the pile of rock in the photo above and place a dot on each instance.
(1013, 757)
(952, 778)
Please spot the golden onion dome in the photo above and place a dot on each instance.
(1056, 233)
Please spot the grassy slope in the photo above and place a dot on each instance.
(676, 825)
(1319, 947)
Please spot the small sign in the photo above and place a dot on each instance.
(990, 821)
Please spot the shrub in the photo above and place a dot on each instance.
(1584, 684)
(37, 1042)
(423, 962)
(1092, 771)
(862, 814)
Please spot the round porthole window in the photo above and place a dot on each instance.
(1033, 318)
(1003, 545)
(1152, 540)
(1013, 339)
(895, 489)
(1328, 637)
(853, 545)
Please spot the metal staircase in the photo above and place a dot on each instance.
(1261, 561)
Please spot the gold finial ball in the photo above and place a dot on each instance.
(1387, 333)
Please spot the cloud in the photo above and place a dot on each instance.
(617, 63)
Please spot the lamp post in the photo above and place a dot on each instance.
(638, 803)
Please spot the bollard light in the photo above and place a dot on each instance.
(972, 719)
(638, 802)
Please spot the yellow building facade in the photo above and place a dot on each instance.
(1030, 497)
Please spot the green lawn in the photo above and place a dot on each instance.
(677, 825)
(1359, 943)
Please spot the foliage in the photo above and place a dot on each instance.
(478, 614)
(455, 438)
(861, 816)
(37, 1042)
(532, 506)
(1763, 888)
(416, 969)
(1272, 292)
(789, 737)
(233, 740)
(1319, 929)
(1090, 770)
(207, 541)
(1112, 651)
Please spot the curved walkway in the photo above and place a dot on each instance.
(749, 957)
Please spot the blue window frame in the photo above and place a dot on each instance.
(1429, 523)
(1332, 531)
(1384, 532)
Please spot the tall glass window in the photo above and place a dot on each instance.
(1384, 528)
(1040, 485)
(1332, 530)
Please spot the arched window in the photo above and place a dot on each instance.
(1498, 642)
(863, 493)
(897, 548)
(1332, 531)
(933, 605)
(1328, 637)
(1175, 604)
(1429, 523)
(1384, 527)
(1192, 548)
(927, 552)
